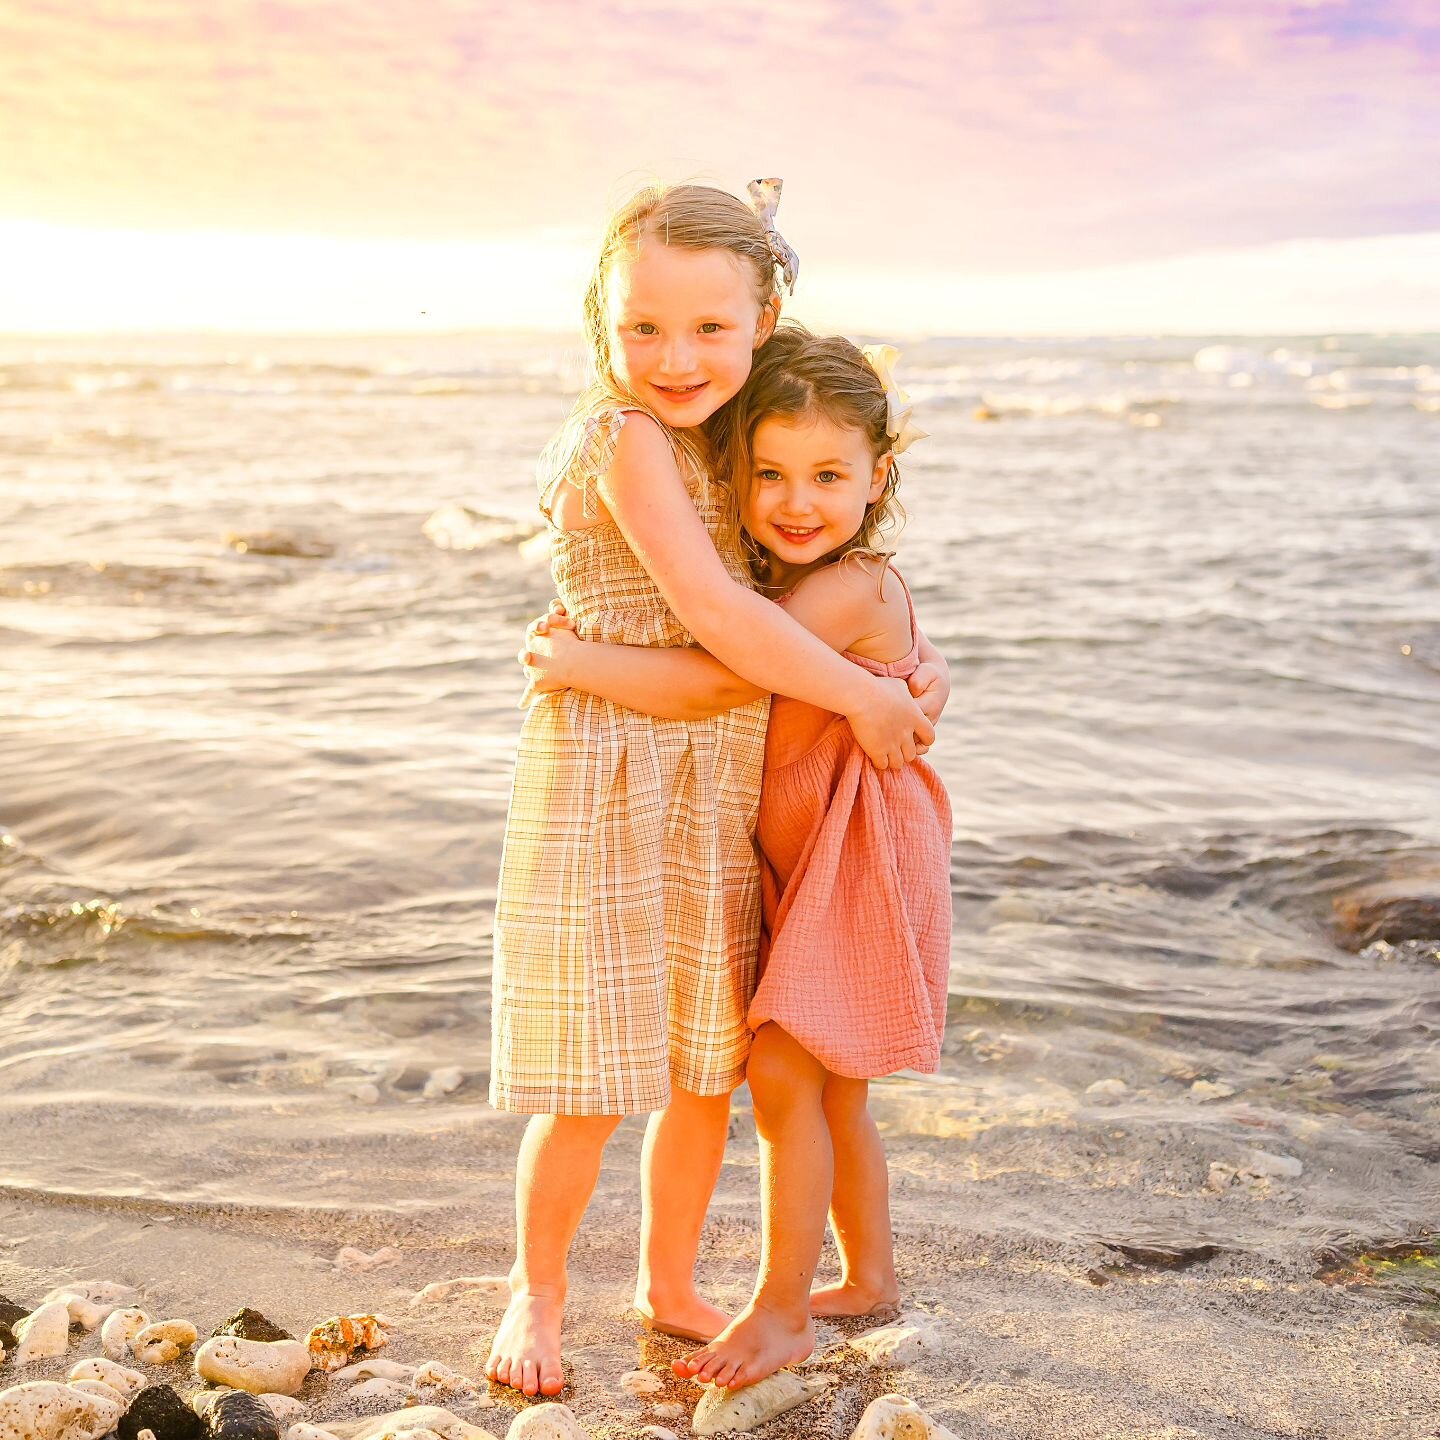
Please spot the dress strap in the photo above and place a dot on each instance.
(581, 463)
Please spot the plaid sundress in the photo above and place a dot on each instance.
(628, 910)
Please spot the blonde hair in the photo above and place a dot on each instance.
(800, 376)
(689, 217)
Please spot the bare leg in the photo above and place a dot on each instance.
(859, 1206)
(797, 1172)
(558, 1165)
(684, 1148)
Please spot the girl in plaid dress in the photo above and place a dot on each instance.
(627, 913)
(855, 861)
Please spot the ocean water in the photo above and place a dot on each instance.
(259, 604)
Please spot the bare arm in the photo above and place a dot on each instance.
(675, 683)
(644, 494)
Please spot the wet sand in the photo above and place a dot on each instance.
(1072, 1341)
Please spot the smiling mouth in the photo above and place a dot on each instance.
(798, 537)
(681, 392)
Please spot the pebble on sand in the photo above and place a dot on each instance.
(896, 1417)
(547, 1422)
(357, 1261)
(42, 1334)
(48, 1410)
(900, 1344)
(333, 1342)
(120, 1378)
(119, 1329)
(721, 1410)
(375, 1368)
(260, 1366)
(444, 1423)
(491, 1286)
(163, 1342)
(237, 1415)
(162, 1410)
(641, 1383)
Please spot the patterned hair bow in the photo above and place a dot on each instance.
(899, 425)
(765, 201)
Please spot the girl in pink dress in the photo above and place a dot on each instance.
(855, 862)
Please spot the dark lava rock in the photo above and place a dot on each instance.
(251, 1325)
(1164, 1257)
(160, 1408)
(10, 1312)
(241, 1416)
(1394, 911)
(7, 1338)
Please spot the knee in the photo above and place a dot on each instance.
(846, 1101)
(576, 1132)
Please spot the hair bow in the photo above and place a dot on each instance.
(899, 426)
(765, 201)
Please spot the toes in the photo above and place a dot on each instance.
(552, 1382)
(726, 1373)
(531, 1380)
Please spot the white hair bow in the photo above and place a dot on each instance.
(899, 426)
(765, 201)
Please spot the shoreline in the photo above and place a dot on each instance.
(1030, 1339)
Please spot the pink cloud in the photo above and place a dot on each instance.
(970, 136)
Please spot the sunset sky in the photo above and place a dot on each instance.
(951, 167)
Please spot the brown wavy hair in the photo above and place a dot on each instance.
(800, 376)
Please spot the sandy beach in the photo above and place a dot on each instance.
(1076, 1341)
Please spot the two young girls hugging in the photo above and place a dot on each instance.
(729, 699)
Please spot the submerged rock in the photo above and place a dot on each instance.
(721, 1410)
(250, 1324)
(47, 1410)
(160, 1408)
(1394, 911)
(257, 1366)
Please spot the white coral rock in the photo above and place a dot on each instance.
(721, 1410)
(309, 1432)
(641, 1382)
(391, 1390)
(43, 1334)
(432, 1375)
(376, 1368)
(285, 1408)
(896, 1417)
(163, 1342)
(491, 1286)
(100, 1388)
(47, 1410)
(119, 1378)
(275, 1367)
(414, 1417)
(119, 1329)
(548, 1422)
(897, 1344)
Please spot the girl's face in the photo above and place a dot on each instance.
(810, 481)
(684, 327)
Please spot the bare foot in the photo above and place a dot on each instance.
(688, 1316)
(858, 1302)
(525, 1352)
(756, 1343)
